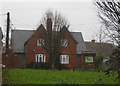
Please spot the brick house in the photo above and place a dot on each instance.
(26, 44)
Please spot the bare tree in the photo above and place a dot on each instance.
(110, 15)
(109, 12)
(100, 35)
(101, 38)
(55, 35)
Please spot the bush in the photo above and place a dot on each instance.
(42, 65)
(60, 67)
(38, 65)
(23, 64)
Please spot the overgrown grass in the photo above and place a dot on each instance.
(31, 76)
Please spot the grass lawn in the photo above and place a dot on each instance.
(31, 76)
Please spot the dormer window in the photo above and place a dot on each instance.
(64, 42)
(40, 42)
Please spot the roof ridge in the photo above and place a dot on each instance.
(75, 32)
(35, 30)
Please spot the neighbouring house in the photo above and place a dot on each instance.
(103, 52)
(27, 45)
(105, 48)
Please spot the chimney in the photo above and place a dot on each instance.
(93, 41)
(49, 25)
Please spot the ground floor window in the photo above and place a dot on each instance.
(88, 59)
(40, 58)
(64, 59)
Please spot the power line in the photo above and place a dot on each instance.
(18, 20)
(20, 23)
(23, 25)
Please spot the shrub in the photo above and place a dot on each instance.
(42, 65)
(23, 64)
(38, 65)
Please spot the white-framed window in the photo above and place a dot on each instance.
(40, 58)
(40, 42)
(64, 42)
(64, 59)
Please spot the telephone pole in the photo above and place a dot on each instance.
(7, 31)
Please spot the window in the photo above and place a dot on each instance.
(64, 59)
(40, 42)
(40, 58)
(89, 59)
(64, 42)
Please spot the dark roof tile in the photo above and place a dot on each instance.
(19, 37)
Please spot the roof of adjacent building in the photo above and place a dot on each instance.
(19, 37)
(105, 48)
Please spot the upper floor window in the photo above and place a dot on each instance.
(64, 59)
(40, 58)
(64, 42)
(40, 42)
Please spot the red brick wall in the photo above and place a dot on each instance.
(10, 59)
(32, 48)
(72, 62)
(86, 65)
(71, 51)
(31, 57)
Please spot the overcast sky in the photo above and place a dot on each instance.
(27, 15)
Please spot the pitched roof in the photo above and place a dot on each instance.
(79, 39)
(19, 37)
(105, 48)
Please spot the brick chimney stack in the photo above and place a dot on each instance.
(49, 25)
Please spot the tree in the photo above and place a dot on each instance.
(109, 12)
(55, 35)
(101, 38)
(100, 35)
(110, 15)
